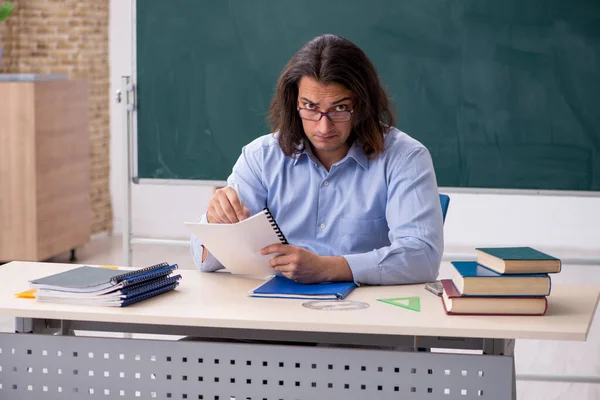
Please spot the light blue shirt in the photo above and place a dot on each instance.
(382, 215)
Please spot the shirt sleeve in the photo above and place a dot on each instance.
(414, 216)
(245, 179)
(210, 264)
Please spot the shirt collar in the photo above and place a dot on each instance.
(306, 152)
(356, 152)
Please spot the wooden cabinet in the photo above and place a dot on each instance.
(44, 168)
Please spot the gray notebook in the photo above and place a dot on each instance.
(91, 279)
(81, 278)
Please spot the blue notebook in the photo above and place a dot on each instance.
(284, 288)
(146, 295)
(148, 286)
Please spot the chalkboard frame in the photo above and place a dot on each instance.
(132, 153)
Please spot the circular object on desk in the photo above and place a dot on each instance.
(327, 305)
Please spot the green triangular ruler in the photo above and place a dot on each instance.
(410, 303)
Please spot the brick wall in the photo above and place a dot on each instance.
(68, 36)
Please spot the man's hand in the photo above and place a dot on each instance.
(305, 266)
(225, 207)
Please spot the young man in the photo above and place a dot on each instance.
(356, 198)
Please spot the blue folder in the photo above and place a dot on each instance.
(284, 288)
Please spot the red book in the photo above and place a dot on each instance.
(457, 304)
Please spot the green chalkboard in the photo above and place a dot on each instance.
(505, 94)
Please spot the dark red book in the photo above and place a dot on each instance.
(457, 304)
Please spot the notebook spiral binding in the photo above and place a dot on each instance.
(119, 278)
(142, 288)
(136, 299)
(280, 234)
(164, 271)
(152, 283)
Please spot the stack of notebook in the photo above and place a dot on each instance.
(503, 281)
(96, 286)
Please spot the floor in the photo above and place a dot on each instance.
(532, 357)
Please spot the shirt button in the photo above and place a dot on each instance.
(322, 226)
(326, 183)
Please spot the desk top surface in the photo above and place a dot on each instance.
(220, 300)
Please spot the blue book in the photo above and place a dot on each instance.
(473, 279)
(284, 288)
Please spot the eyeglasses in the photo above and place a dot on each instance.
(333, 116)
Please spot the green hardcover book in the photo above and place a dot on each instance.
(517, 260)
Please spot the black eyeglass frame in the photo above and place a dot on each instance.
(326, 114)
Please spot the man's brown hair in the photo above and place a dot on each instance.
(332, 59)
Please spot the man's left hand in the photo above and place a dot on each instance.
(297, 263)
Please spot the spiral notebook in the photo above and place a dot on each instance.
(114, 294)
(237, 246)
(93, 279)
(119, 298)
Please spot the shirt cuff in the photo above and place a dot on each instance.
(210, 263)
(365, 268)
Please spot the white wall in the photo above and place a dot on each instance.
(549, 222)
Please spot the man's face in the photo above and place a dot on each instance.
(328, 138)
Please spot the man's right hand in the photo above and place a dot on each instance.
(225, 207)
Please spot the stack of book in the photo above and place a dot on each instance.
(97, 286)
(503, 281)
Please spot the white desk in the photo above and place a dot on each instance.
(216, 305)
